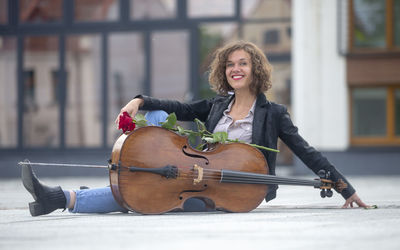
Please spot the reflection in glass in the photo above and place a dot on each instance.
(170, 65)
(125, 75)
(397, 112)
(41, 106)
(144, 9)
(211, 8)
(274, 40)
(41, 11)
(369, 112)
(83, 89)
(8, 92)
(369, 23)
(95, 11)
(212, 36)
(3, 11)
(396, 23)
(255, 9)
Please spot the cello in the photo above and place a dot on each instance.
(153, 170)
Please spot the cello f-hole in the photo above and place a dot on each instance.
(194, 155)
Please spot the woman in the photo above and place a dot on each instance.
(239, 68)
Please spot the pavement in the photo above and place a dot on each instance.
(297, 219)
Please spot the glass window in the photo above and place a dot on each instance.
(212, 36)
(170, 65)
(3, 11)
(83, 90)
(397, 23)
(41, 11)
(95, 11)
(141, 9)
(126, 75)
(397, 111)
(369, 112)
(8, 92)
(275, 41)
(271, 37)
(211, 8)
(256, 9)
(41, 107)
(369, 23)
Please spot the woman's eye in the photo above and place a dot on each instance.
(229, 65)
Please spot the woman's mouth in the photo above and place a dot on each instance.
(237, 77)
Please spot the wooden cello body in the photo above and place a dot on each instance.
(155, 171)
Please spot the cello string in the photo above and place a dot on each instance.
(263, 179)
(269, 180)
(240, 180)
(210, 174)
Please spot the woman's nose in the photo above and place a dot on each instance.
(236, 67)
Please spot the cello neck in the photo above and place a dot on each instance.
(230, 176)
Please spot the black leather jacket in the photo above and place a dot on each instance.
(271, 121)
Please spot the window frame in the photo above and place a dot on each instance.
(390, 139)
(389, 27)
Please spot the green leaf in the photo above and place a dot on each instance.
(140, 120)
(200, 125)
(169, 122)
(200, 146)
(192, 138)
(220, 137)
(208, 139)
(181, 130)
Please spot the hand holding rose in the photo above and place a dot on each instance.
(131, 109)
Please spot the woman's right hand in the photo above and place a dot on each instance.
(131, 108)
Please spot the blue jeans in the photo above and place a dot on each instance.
(101, 200)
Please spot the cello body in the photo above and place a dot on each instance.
(197, 173)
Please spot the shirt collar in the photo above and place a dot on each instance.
(251, 111)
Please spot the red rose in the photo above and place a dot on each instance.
(126, 123)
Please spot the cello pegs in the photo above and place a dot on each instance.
(322, 174)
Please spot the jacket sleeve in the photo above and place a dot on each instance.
(312, 158)
(184, 111)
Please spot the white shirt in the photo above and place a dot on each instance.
(240, 129)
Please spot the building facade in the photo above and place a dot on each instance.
(346, 81)
(67, 67)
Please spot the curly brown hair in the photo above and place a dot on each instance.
(261, 68)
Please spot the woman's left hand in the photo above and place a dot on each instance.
(356, 199)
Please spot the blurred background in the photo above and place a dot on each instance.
(68, 66)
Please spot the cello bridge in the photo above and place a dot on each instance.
(199, 174)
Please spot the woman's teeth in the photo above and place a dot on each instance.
(237, 77)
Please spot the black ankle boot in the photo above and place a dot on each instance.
(47, 199)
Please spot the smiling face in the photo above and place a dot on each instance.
(238, 70)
